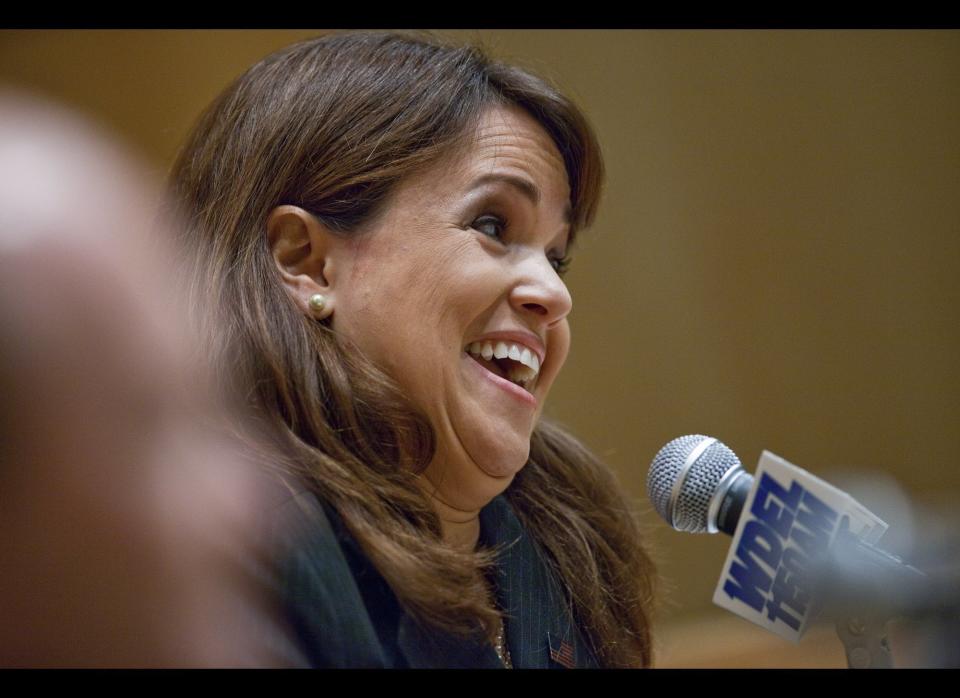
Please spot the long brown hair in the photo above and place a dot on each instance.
(331, 125)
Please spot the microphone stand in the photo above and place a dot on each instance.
(865, 641)
(864, 588)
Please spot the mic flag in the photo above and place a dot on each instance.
(789, 522)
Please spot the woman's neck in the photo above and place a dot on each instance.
(460, 529)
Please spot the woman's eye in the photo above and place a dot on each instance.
(495, 226)
(561, 265)
(491, 226)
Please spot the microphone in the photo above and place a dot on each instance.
(697, 485)
(800, 546)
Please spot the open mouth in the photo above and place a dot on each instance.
(511, 361)
(499, 367)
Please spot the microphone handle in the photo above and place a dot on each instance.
(732, 503)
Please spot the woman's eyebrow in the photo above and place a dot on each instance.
(527, 188)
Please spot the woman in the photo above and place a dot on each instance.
(382, 222)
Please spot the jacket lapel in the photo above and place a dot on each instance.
(540, 630)
(425, 648)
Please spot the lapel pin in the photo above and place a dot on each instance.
(562, 653)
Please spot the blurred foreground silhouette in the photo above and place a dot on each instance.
(126, 522)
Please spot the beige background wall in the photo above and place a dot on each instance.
(775, 263)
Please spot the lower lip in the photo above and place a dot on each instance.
(508, 386)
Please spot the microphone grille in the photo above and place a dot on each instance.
(681, 491)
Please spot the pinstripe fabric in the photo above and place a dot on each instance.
(537, 615)
(343, 614)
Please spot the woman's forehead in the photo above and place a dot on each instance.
(509, 137)
(506, 144)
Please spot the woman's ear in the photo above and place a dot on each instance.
(303, 250)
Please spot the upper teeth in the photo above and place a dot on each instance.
(509, 350)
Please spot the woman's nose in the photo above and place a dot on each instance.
(542, 292)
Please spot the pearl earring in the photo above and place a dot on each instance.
(317, 302)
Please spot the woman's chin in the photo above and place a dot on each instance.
(476, 470)
(504, 467)
(498, 444)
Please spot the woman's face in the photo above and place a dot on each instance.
(463, 261)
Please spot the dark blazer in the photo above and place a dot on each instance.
(343, 614)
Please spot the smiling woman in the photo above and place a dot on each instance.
(382, 222)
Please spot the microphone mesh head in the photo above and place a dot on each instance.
(692, 502)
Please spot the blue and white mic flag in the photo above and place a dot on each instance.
(789, 522)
